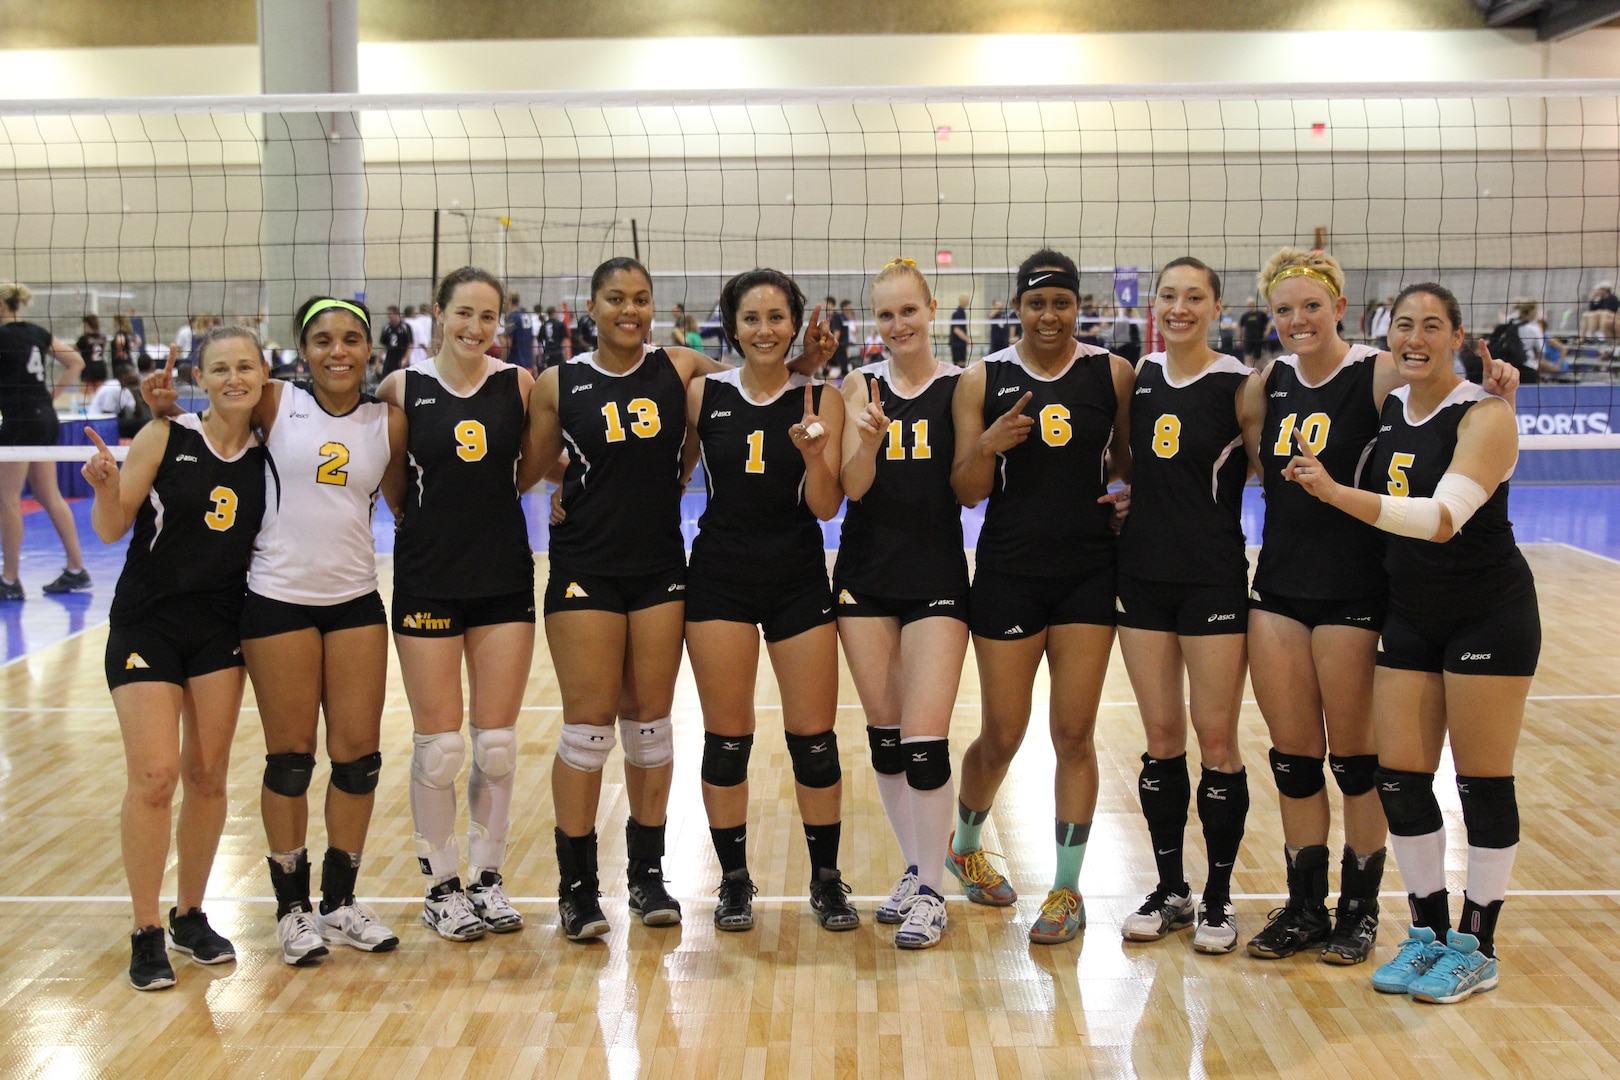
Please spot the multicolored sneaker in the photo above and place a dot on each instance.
(1355, 932)
(1460, 971)
(892, 909)
(980, 881)
(1162, 913)
(1416, 956)
(925, 921)
(1296, 925)
(1062, 917)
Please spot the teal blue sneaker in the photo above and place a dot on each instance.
(1416, 955)
(1459, 971)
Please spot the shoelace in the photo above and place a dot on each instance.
(979, 870)
(903, 889)
(1059, 905)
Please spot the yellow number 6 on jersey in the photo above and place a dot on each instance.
(471, 442)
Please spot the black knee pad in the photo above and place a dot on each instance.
(1354, 774)
(1298, 776)
(928, 764)
(815, 759)
(288, 774)
(1409, 802)
(1490, 807)
(887, 756)
(358, 777)
(725, 759)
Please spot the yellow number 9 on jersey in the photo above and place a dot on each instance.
(223, 515)
(471, 442)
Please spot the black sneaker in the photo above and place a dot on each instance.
(1354, 933)
(149, 962)
(829, 899)
(649, 898)
(12, 590)
(191, 934)
(735, 908)
(580, 912)
(69, 581)
(1291, 928)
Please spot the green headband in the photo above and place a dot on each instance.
(326, 305)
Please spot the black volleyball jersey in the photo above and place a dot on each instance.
(622, 488)
(1479, 567)
(194, 533)
(24, 352)
(463, 535)
(1044, 519)
(1187, 472)
(1308, 548)
(903, 538)
(756, 528)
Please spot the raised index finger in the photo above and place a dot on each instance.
(877, 399)
(1018, 408)
(95, 438)
(809, 400)
(168, 365)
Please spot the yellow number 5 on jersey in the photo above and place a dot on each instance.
(471, 442)
(1398, 464)
(223, 515)
(331, 471)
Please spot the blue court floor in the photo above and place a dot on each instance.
(1585, 516)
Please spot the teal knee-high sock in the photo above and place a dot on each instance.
(968, 825)
(1071, 853)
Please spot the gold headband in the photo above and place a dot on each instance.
(1303, 271)
(897, 262)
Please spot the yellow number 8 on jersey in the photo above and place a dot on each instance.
(471, 442)
(1167, 435)
(223, 515)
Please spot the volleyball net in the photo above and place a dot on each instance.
(239, 208)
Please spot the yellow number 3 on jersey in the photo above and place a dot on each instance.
(223, 515)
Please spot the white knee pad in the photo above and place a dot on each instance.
(648, 744)
(436, 759)
(585, 746)
(495, 750)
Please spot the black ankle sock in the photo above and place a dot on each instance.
(823, 843)
(1432, 911)
(1308, 876)
(1165, 790)
(1480, 920)
(1223, 808)
(731, 847)
(339, 870)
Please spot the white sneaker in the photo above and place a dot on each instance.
(1160, 914)
(1217, 929)
(355, 924)
(489, 901)
(925, 922)
(301, 943)
(893, 909)
(449, 913)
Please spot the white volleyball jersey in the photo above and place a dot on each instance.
(315, 546)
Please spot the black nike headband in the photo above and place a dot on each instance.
(1048, 279)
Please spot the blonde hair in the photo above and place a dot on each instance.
(1526, 307)
(15, 295)
(1318, 265)
(902, 268)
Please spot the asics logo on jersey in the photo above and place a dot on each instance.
(1037, 280)
(1476, 656)
(581, 386)
(718, 413)
(1144, 389)
(942, 603)
(1279, 393)
(298, 415)
(1220, 618)
(135, 661)
(424, 401)
(1014, 630)
(1385, 428)
(422, 620)
(574, 592)
(677, 587)
(184, 457)
(1008, 390)
(1216, 793)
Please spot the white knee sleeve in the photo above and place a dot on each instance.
(436, 759)
(495, 750)
(648, 744)
(585, 746)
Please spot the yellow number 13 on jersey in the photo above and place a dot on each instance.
(644, 426)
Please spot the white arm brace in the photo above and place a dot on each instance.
(1420, 518)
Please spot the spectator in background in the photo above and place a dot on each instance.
(849, 336)
(998, 327)
(1253, 326)
(688, 330)
(92, 346)
(420, 320)
(677, 332)
(960, 340)
(1127, 336)
(1597, 321)
(584, 334)
(517, 336)
(125, 346)
(182, 339)
(1089, 324)
(835, 324)
(121, 397)
(395, 340)
(1379, 328)
(550, 336)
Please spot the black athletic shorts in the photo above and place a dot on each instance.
(30, 427)
(781, 610)
(1503, 641)
(1176, 607)
(854, 604)
(264, 617)
(418, 616)
(1361, 612)
(1007, 607)
(178, 642)
(571, 590)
